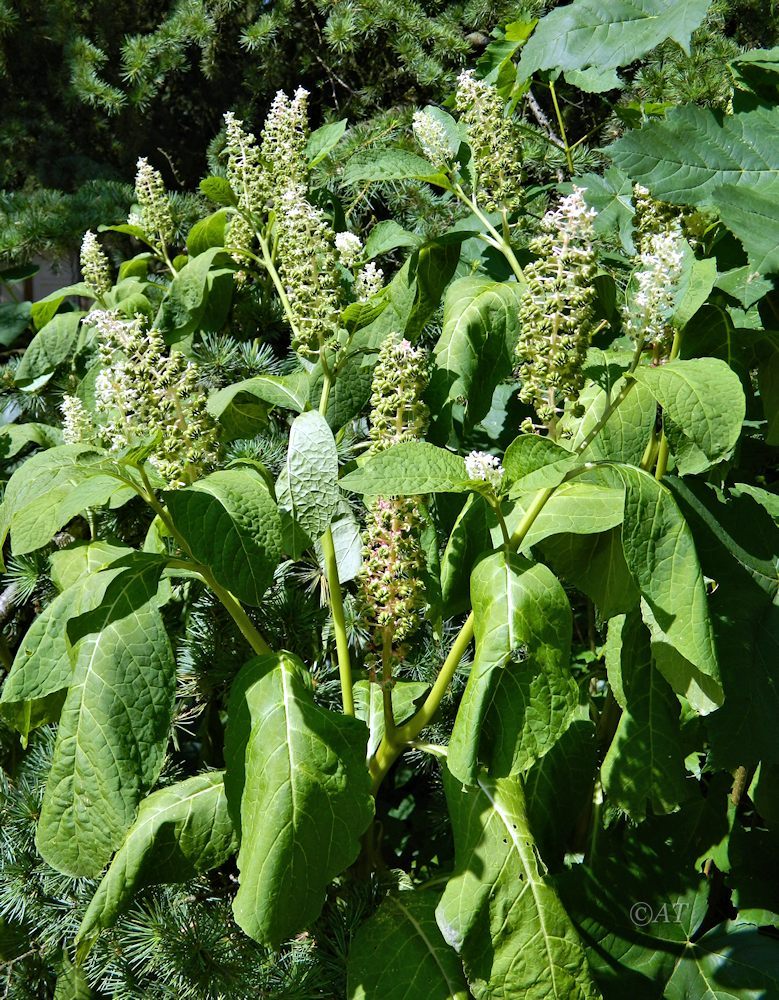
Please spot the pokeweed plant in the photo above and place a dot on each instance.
(558, 412)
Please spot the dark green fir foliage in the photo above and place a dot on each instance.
(391, 554)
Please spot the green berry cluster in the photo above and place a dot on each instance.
(398, 412)
(308, 267)
(556, 311)
(392, 594)
(494, 141)
(142, 389)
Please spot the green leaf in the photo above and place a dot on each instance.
(624, 436)
(559, 786)
(645, 761)
(386, 236)
(14, 317)
(369, 707)
(347, 542)
(50, 348)
(49, 489)
(233, 527)
(114, 725)
(399, 953)
(752, 215)
(218, 190)
(533, 463)
(389, 165)
(323, 141)
(500, 911)
(703, 409)
(180, 831)
(661, 556)
(587, 33)
(470, 537)
(595, 564)
(298, 772)
(15, 437)
(684, 157)
(71, 564)
(520, 696)
(34, 690)
(476, 348)
(410, 469)
(46, 308)
(579, 508)
(308, 485)
(187, 297)
(287, 391)
(734, 961)
(207, 233)
(611, 195)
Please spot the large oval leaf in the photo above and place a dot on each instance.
(520, 697)
(232, 526)
(500, 911)
(296, 776)
(180, 831)
(308, 485)
(399, 954)
(114, 725)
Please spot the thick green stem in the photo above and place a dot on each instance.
(270, 267)
(497, 240)
(334, 590)
(662, 452)
(230, 603)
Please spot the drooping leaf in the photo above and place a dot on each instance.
(703, 409)
(180, 831)
(49, 489)
(233, 527)
(624, 436)
(469, 538)
(35, 688)
(207, 233)
(559, 786)
(288, 391)
(587, 34)
(520, 696)
(187, 297)
(595, 563)
(399, 954)
(660, 553)
(50, 347)
(15, 437)
(580, 508)
(218, 190)
(347, 542)
(499, 910)
(296, 774)
(308, 485)
(386, 236)
(475, 350)
(410, 469)
(645, 762)
(684, 157)
(114, 725)
(14, 317)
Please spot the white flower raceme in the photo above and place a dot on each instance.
(369, 282)
(142, 389)
(349, 247)
(647, 314)
(249, 182)
(76, 420)
(309, 270)
(482, 465)
(556, 310)
(432, 138)
(284, 139)
(94, 265)
(154, 214)
(400, 379)
(494, 141)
